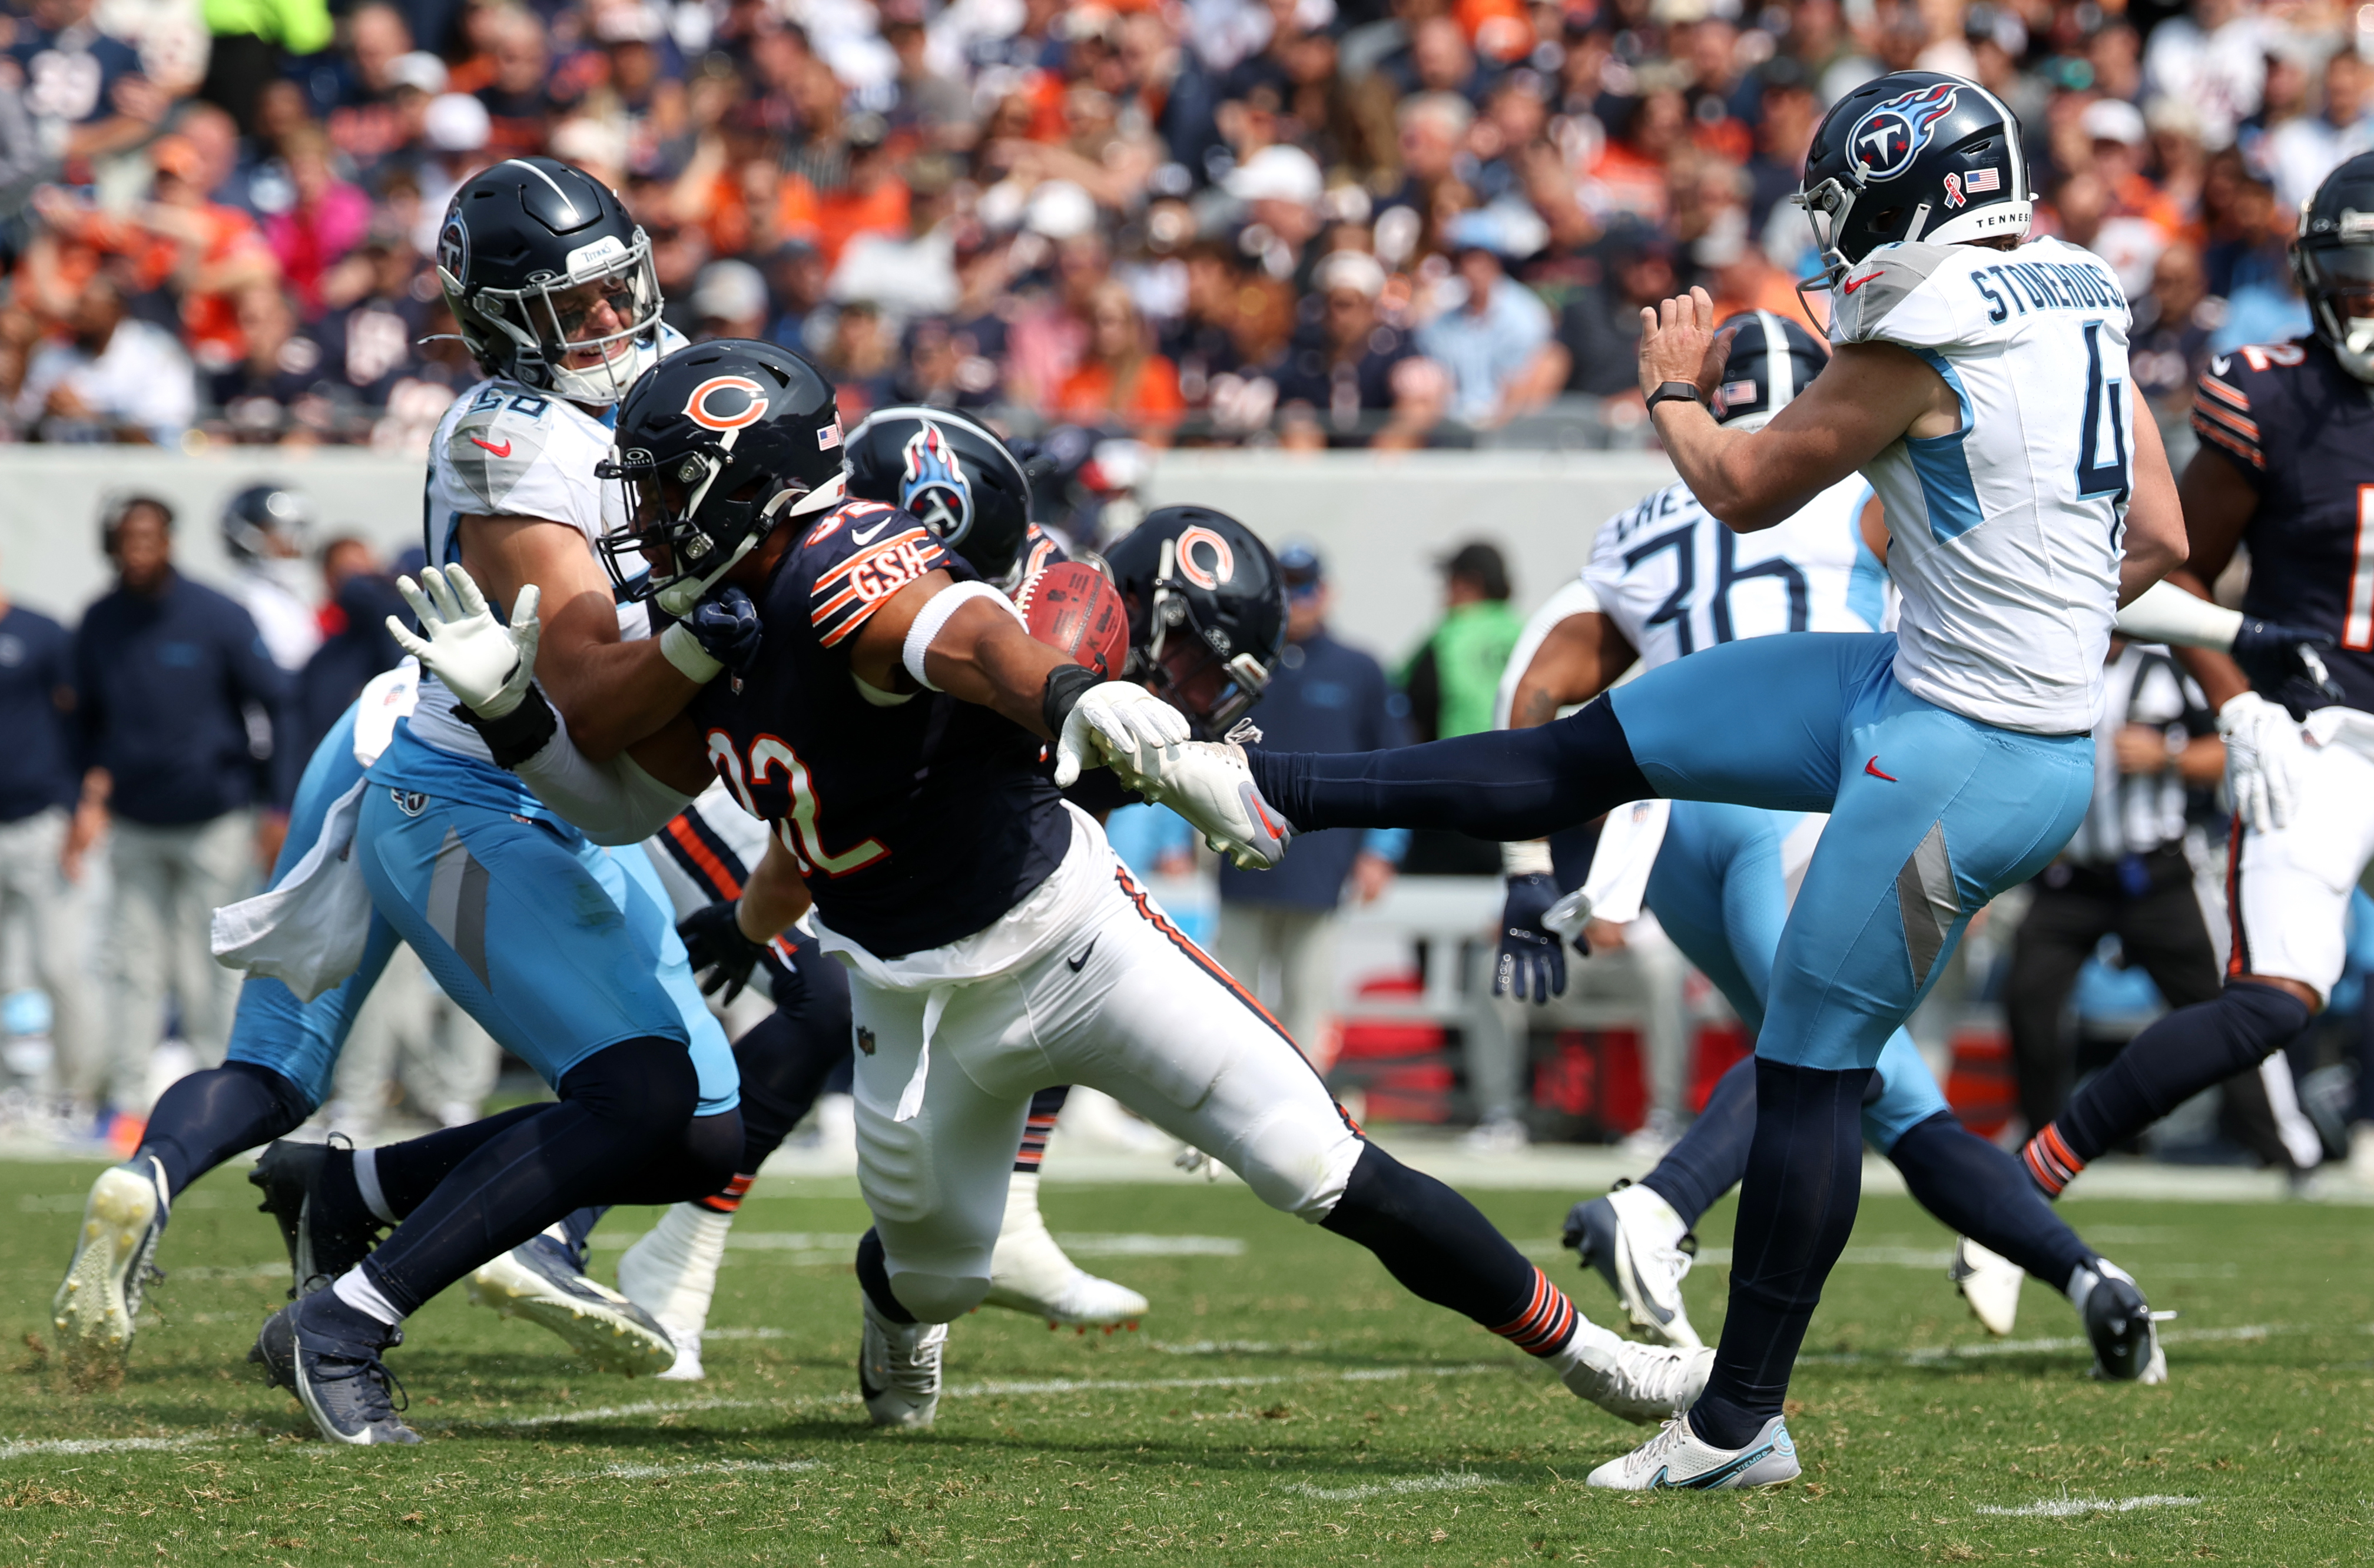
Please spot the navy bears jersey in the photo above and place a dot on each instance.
(916, 820)
(2300, 429)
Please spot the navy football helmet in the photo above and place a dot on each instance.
(2333, 256)
(1206, 612)
(1913, 155)
(1771, 360)
(716, 444)
(955, 474)
(266, 521)
(529, 247)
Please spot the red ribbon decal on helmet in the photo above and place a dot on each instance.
(1223, 560)
(698, 409)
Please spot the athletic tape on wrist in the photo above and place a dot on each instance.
(1526, 857)
(518, 734)
(683, 651)
(933, 617)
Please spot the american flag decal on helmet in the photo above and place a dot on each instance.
(1980, 180)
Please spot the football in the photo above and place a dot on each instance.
(1070, 605)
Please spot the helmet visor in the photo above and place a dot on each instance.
(1211, 692)
(2343, 275)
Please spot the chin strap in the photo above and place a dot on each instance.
(678, 597)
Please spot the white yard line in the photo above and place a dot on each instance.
(2064, 1507)
(708, 1467)
(105, 1445)
(1449, 1480)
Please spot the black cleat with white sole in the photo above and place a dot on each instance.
(324, 1238)
(2119, 1323)
(328, 1355)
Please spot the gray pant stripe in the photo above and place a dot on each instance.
(1925, 894)
(457, 903)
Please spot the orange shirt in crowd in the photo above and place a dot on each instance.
(209, 321)
(842, 215)
(1150, 406)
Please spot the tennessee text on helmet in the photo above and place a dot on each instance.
(1771, 360)
(532, 253)
(714, 445)
(2333, 257)
(1206, 612)
(956, 475)
(1913, 155)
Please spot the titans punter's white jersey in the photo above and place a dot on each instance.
(2008, 534)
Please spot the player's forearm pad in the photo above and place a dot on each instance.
(611, 803)
(1066, 684)
(2166, 613)
(518, 734)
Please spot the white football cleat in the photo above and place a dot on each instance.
(1030, 1273)
(1679, 1457)
(1639, 1382)
(1208, 783)
(671, 1272)
(114, 1257)
(1640, 1246)
(540, 1280)
(899, 1369)
(1990, 1282)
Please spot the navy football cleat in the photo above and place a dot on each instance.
(328, 1355)
(2120, 1323)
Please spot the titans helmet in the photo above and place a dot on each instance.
(1913, 155)
(1771, 359)
(955, 474)
(261, 518)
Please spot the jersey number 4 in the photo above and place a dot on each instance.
(798, 827)
(2106, 403)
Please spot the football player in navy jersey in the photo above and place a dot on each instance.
(2287, 457)
(891, 726)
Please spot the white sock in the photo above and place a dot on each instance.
(1589, 1345)
(366, 1182)
(1652, 1214)
(354, 1289)
(2082, 1280)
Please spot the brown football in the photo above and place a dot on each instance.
(1070, 605)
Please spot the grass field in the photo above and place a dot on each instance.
(1282, 1404)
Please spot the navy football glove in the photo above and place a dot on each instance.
(713, 942)
(725, 624)
(2286, 662)
(1531, 954)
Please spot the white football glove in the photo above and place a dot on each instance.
(481, 661)
(1125, 727)
(2263, 752)
(1208, 784)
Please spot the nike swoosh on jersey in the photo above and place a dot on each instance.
(1854, 283)
(1074, 964)
(1871, 767)
(867, 536)
(502, 451)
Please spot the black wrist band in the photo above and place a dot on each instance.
(1065, 686)
(518, 734)
(1675, 391)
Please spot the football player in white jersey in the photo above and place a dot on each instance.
(1981, 385)
(562, 950)
(1667, 579)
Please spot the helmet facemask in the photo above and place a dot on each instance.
(541, 321)
(2339, 282)
(681, 533)
(1190, 665)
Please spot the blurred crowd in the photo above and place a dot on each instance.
(1301, 222)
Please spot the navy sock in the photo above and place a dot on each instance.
(873, 1278)
(206, 1119)
(1443, 1250)
(410, 1171)
(1796, 1208)
(2190, 1050)
(1711, 1156)
(1982, 1192)
(1508, 784)
(624, 1131)
(577, 1224)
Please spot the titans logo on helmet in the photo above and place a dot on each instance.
(935, 487)
(1885, 141)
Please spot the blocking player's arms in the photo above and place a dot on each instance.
(609, 692)
(1579, 658)
(981, 652)
(2218, 506)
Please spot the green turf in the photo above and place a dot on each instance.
(1288, 1404)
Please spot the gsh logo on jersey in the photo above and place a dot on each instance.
(1885, 141)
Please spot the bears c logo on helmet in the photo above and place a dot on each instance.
(1223, 560)
(726, 402)
(934, 486)
(1885, 140)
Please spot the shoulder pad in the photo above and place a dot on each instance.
(497, 439)
(1875, 285)
(2232, 404)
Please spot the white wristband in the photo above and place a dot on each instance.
(2166, 613)
(1525, 857)
(683, 650)
(933, 617)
